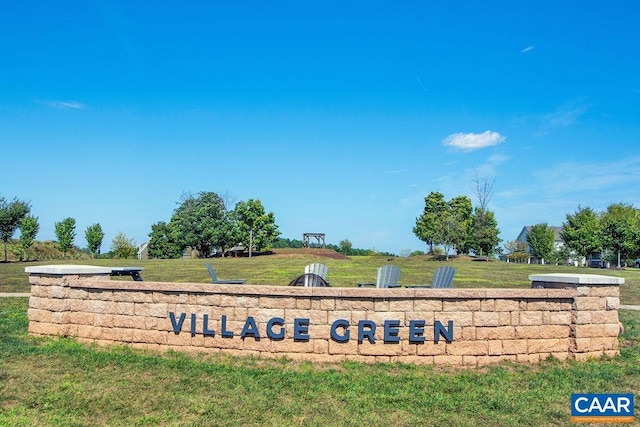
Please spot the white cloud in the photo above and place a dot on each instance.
(527, 49)
(65, 105)
(473, 141)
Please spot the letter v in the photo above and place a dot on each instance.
(177, 326)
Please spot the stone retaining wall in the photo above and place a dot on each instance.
(564, 316)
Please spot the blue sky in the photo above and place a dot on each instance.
(339, 116)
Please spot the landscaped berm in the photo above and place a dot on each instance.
(307, 253)
(565, 316)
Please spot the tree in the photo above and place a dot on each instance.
(541, 240)
(65, 233)
(11, 213)
(345, 246)
(201, 223)
(562, 255)
(461, 213)
(282, 242)
(94, 236)
(485, 232)
(517, 250)
(620, 230)
(123, 247)
(28, 230)
(428, 225)
(161, 244)
(484, 228)
(257, 229)
(228, 232)
(445, 223)
(447, 232)
(483, 189)
(581, 232)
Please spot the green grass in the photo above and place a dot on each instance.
(61, 382)
(281, 269)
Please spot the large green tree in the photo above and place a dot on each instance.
(620, 230)
(428, 226)
(485, 232)
(11, 213)
(462, 214)
(65, 233)
(541, 239)
(29, 227)
(581, 232)
(94, 236)
(258, 230)
(446, 223)
(228, 234)
(200, 222)
(448, 231)
(161, 243)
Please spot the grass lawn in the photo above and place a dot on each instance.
(282, 268)
(61, 382)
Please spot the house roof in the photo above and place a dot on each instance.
(525, 230)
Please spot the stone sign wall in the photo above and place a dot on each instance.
(563, 316)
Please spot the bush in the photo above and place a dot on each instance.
(123, 247)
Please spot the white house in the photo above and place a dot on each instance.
(143, 250)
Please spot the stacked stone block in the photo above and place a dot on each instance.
(595, 326)
(554, 319)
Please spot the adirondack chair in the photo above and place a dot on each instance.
(313, 271)
(442, 278)
(387, 277)
(309, 280)
(215, 280)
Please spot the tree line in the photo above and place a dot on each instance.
(614, 234)
(206, 223)
(202, 222)
(457, 226)
(16, 214)
(344, 247)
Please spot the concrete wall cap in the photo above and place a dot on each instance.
(578, 279)
(67, 269)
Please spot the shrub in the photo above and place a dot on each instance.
(123, 247)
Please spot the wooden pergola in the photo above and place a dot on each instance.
(318, 236)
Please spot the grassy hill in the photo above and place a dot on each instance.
(286, 264)
(41, 251)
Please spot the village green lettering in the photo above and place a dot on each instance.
(340, 331)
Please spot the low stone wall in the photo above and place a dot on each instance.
(564, 316)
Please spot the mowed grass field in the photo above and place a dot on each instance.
(285, 265)
(61, 382)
